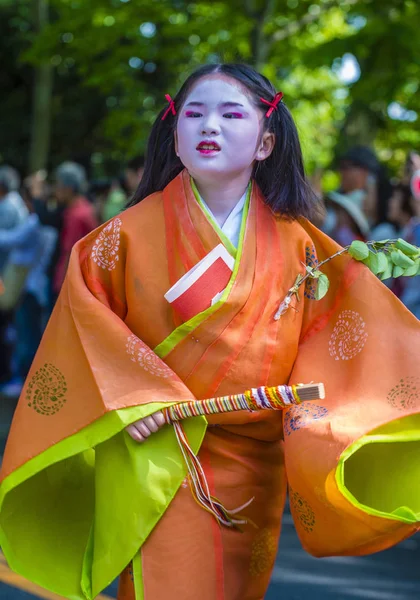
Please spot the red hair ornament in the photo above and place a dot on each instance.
(171, 107)
(273, 104)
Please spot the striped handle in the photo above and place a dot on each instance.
(262, 398)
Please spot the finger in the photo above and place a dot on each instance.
(151, 424)
(142, 427)
(159, 419)
(135, 434)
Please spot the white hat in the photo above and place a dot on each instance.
(352, 203)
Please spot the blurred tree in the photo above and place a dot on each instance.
(41, 98)
(115, 60)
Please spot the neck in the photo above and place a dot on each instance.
(221, 196)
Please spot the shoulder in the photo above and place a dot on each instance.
(296, 232)
(146, 213)
(138, 225)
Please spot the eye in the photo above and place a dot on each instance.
(194, 115)
(233, 115)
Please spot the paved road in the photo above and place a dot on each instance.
(390, 575)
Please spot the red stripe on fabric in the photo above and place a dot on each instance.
(216, 528)
(172, 237)
(276, 260)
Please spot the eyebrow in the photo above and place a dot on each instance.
(223, 104)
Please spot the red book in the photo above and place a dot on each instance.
(203, 285)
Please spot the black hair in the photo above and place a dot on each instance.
(281, 176)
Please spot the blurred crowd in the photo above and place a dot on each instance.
(42, 217)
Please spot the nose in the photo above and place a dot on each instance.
(210, 125)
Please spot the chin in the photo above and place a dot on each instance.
(211, 168)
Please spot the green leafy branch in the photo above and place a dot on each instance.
(386, 258)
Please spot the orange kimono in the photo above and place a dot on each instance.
(82, 502)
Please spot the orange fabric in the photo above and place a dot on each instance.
(363, 343)
(112, 310)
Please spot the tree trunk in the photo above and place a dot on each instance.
(260, 13)
(41, 100)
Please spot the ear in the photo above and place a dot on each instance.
(266, 146)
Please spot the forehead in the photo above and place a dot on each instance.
(218, 88)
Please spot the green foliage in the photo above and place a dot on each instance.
(114, 60)
(386, 258)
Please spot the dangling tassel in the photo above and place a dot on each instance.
(200, 488)
(274, 398)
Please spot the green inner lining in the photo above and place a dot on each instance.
(73, 517)
(380, 472)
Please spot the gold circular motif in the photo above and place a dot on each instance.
(406, 394)
(46, 390)
(264, 550)
(302, 511)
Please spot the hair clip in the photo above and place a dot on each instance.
(273, 104)
(171, 107)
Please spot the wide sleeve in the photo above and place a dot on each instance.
(353, 459)
(78, 496)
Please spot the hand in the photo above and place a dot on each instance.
(140, 430)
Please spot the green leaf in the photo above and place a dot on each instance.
(411, 271)
(397, 271)
(322, 286)
(401, 260)
(382, 262)
(407, 248)
(372, 262)
(388, 271)
(359, 250)
(314, 273)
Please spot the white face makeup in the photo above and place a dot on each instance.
(218, 129)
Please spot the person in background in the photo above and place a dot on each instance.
(400, 209)
(133, 174)
(352, 209)
(12, 213)
(78, 217)
(12, 208)
(38, 195)
(411, 293)
(11, 179)
(359, 170)
(345, 219)
(31, 246)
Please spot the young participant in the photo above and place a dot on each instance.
(83, 500)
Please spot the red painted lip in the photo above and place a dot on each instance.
(214, 147)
